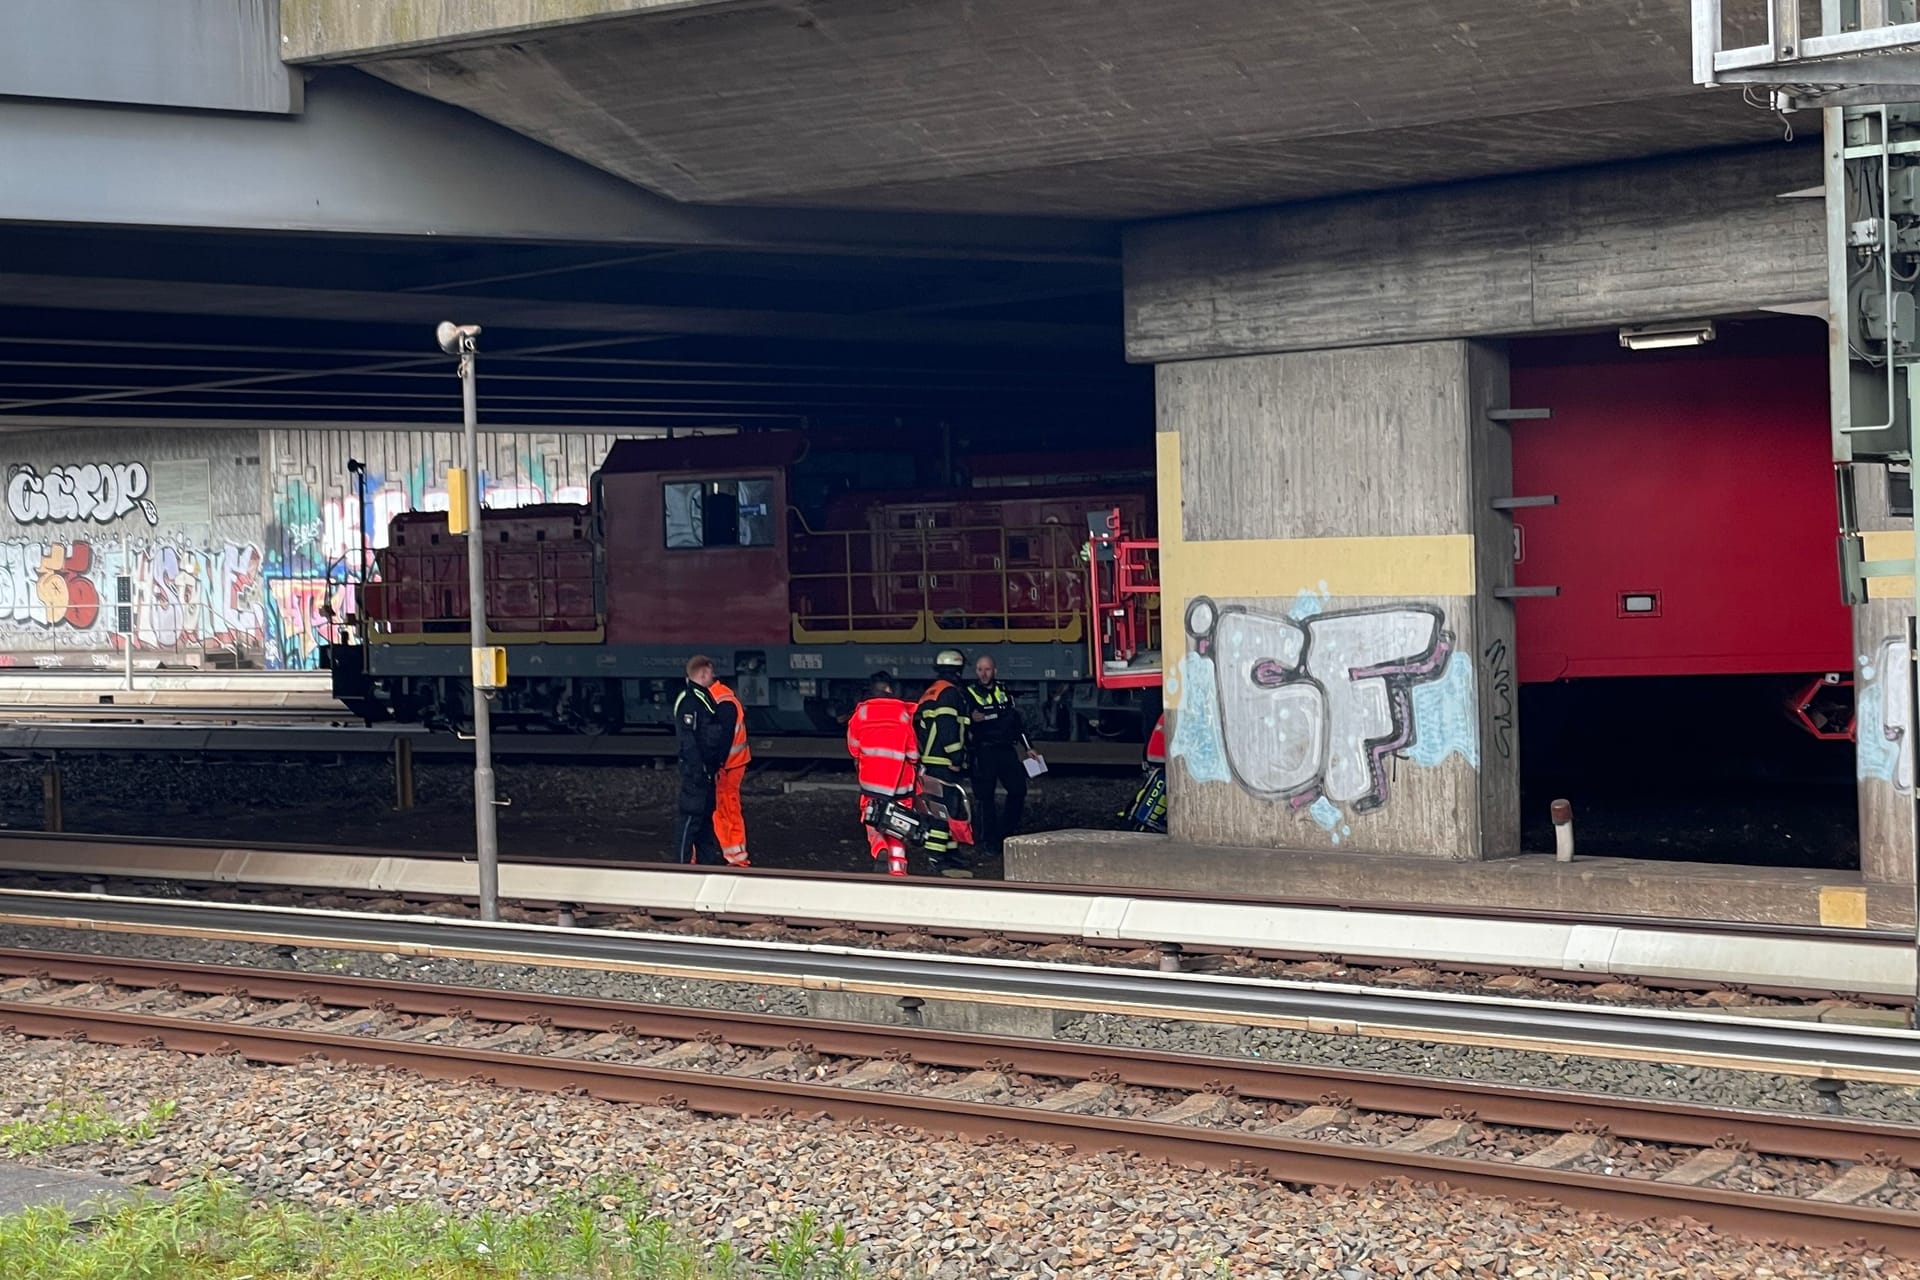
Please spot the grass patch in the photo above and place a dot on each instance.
(64, 1124)
(212, 1230)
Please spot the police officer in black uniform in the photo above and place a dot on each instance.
(704, 728)
(998, 746)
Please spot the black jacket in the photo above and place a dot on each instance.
(940, 726)
(1000, 723)
(705, 731)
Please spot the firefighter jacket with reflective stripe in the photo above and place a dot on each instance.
(999, 723)
(704, 730)
(737, 755)
(880, 739)
(940, 724)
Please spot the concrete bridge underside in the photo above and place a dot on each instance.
(1103, 108)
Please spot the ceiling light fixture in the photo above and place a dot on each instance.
(1654, 337)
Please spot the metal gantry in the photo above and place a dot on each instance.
(1861, 69)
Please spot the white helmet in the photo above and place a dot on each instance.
(949, 658)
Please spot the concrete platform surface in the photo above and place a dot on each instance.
(24, 1187)
(1614, 886)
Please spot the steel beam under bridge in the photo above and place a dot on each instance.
(363, 157)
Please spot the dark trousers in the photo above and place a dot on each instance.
(998, 765)
(943, 851)
(695, 837)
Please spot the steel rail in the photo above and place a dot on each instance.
(1809, 1137)
(1834, 1051)
(290, 735)
(1729, 928)
(1287, 1159)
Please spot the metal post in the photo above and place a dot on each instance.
(462, 340)
(53, 809)
(403, 774)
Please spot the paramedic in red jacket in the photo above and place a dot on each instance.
(880, 738)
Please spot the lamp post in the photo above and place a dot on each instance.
(489, 663)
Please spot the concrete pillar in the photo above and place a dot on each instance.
(1339, 673)
(1883, 736)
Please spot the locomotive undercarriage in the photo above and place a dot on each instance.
(1054, 710)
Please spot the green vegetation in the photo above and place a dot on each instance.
(66, 1123)
(211, 1230)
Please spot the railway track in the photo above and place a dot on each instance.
(1787, 1047)
(1824, 1180)
(1850, 974)
(253, 730)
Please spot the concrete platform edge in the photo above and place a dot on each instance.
(1620, 886)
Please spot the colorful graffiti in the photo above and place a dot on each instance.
(1309, 708)
(319, 548)
(268, 569)
(56, 595)
(98, 492)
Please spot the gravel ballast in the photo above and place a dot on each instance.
(336, 1136)
(1704, 1086)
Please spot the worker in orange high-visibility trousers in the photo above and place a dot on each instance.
(729, 823)
(880, 739)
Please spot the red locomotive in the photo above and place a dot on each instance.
(694, 545)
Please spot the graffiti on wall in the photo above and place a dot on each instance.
(324, 535)
(56, 594)
(1312, 708)
(1883, 747)
(99, 493)
(267, 570)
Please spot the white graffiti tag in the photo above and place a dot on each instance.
(1883, 738)
(101, 492)
(1314, 707)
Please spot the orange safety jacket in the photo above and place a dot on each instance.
(738, 754)
(880, 739)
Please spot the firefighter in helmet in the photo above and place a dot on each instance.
(940, 730)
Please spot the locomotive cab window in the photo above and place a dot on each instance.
(719, 513)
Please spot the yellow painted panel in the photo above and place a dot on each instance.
(1843, 906)
(457, 500)
(1434, 565)
(1888, 544)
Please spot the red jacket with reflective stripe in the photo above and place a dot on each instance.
(1157, 743)
(880, 739)
(737, 754)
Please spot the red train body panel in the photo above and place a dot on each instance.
(1694, 533)
(539, 570)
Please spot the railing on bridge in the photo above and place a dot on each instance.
(1810, 53)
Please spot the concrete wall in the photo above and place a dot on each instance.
(335, 30)
(176, 512)
(1323, 517)
(1883, 729)
(236, 542)
(1696, 236)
